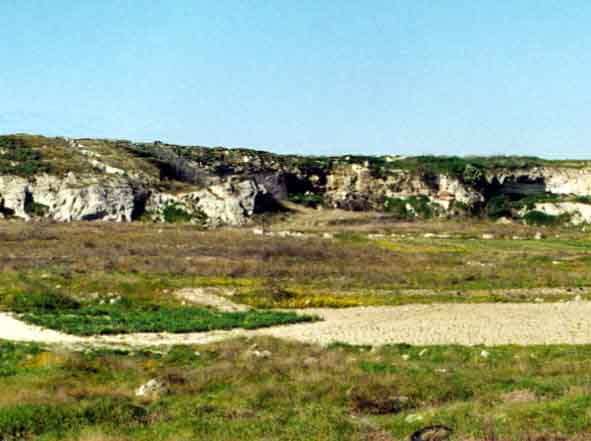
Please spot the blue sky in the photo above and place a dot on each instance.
(306, 76)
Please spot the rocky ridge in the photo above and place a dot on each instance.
(86, 179)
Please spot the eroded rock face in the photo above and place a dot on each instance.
(68, 199)
(536, 180)
(354, 187)
(72, 200)
(579, 213)
(123, 181)
(13, 192)
(230, 203)
(117, 199)
(568, 181)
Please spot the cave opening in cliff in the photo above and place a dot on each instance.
(515, 187)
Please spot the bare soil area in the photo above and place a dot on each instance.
(465, 324)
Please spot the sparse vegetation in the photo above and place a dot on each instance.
(17, 157)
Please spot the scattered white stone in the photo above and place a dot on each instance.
(327, 236)
(484, 354)
(259, 354)
(441, 371)
(258, 232)
(556, 262)
(406, 357)
(488, 236)
(539, 300)
(310, 361)
(578, 298)
(152, 387)
(413, 418)
(197, 354)
(423, 352)
(539, 236)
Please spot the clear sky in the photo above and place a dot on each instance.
(304, 76)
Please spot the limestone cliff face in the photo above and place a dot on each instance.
(578, 213)
(354, 187)
(67, 199)
(120, 200)
(223, 204)
(77, 180)
(556, 180)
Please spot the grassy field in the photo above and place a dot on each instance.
(223, 392)
(371, 262)
(65, 276)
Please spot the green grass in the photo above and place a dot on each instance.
(12, 355)
(340, 393)
(127, 317)
(21, 421)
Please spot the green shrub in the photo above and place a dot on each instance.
(472, 175)
(42, 301)
(173, 214)
(583, 199)
(397, 208)
(542, 219)
(422, 206)
(499, 206)
(530, 202)
(18, 158)
(307, 199)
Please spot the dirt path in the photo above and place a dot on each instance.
(466, 324)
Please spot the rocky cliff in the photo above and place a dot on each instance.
(87, 179)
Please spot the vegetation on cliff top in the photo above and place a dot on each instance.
(29, 154)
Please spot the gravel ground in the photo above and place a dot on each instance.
(465, 324)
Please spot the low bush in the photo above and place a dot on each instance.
(539, 218)
(173, 214)
(17, 157)
(499, 206)
(42, 301)
(308, 199)
(422, 206)
(397, 208)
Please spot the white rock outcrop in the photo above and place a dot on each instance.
(579, 213)
(68, 199)
(230, 203)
